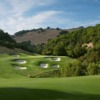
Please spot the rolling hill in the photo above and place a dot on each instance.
(37, 36)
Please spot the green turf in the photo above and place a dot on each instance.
(15, 85)
(75, 88)
(7, 65)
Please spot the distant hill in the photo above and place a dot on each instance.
(37, 36)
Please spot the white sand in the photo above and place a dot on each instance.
(22, 68)
(21, 61)
(43, 65)
(56, 59)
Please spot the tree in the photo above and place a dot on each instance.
(93, 69)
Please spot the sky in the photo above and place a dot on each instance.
(17, 15)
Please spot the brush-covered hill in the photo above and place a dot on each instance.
(6, 40)
(9, 45)
(82, 44)
(37, 36)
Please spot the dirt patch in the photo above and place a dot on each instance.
(88, 45)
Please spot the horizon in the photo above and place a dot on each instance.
(18, 15)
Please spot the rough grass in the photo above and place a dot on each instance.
(75, 88)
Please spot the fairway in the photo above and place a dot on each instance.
(15, 83)
(11, 68)
(75, 88)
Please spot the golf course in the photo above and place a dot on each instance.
(75, 88)
(24, 65)
(16, 83)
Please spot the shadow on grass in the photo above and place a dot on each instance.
(42, 94)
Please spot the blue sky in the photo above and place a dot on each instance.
(16, 15)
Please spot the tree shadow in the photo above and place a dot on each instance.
(42, 94)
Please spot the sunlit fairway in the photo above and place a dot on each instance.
(75, 88)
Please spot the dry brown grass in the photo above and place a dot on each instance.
(38, 37)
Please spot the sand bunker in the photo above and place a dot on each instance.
(21, 61)
(56, 59)
(48, 58)
(16, 56)
(55, 66)
(22, 68)
(43, 65)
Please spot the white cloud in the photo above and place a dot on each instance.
(13, 11)
(18, 7)
(34, 21)
(12, 17)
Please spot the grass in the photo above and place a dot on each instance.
(75, 88)
(8, 70)
(15, 85)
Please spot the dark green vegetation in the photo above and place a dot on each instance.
(6, 39)
(75, 88)
(70, 43)
(82, 44)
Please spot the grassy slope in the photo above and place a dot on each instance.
(11, 51)
(7, 69)
(75, 88)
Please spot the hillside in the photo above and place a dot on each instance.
(6, 40)
(11, 51)
(82, 44)
(9, 45)
(37, 36)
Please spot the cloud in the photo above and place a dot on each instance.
(13, 19)
(34, 21)
(18, 7)
(13, 11)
